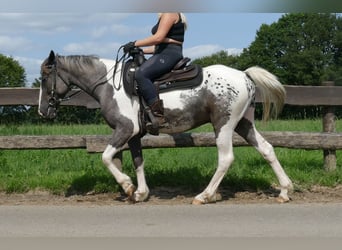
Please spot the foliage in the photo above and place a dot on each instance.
(300, 49)
(220, 57)
(303, 49)
(12, 74)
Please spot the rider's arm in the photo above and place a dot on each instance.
(165, 24)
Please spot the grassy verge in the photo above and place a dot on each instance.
(76, 171)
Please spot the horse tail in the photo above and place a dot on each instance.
(271, 91)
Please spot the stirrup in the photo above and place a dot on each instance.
(152, 127)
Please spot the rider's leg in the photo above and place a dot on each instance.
(151, 69)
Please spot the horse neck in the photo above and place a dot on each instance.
(90, 81)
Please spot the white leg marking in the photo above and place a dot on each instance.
(142, 191)
(40, 99)
(225, 159)
(267, 151)
(121, 178)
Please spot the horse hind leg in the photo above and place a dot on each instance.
(225, 159)
(142, 192)
(247, 130)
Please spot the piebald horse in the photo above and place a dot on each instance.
(225, 98)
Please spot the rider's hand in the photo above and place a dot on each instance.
(128, 47)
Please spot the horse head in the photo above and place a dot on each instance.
(53, 87)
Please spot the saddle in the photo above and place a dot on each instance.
(182, 76)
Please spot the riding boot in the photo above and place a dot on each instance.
(157, 109)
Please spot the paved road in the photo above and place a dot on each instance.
(275, 220)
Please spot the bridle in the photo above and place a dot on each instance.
(54, 101)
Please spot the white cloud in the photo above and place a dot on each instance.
(17, 23)
(234, 51)
(119, 30)
(99, 32)
(207, 50)
(11, 44)
(53, 22)
(202, 50)
(106, 50)
(31, 66)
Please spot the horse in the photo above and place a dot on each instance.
(225, 98)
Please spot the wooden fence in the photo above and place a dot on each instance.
(329, 141)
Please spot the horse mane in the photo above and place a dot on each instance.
(78, 63)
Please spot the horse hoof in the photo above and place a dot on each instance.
(140, 197)
(130, 191)
(282, 199)
(197, 202)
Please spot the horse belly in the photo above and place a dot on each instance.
(185, 110)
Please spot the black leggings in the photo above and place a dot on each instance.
(165, 58)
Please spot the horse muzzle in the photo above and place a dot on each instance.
(49, 111)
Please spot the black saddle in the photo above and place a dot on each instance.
(182, 76)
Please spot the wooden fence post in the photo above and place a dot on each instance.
(329, 126)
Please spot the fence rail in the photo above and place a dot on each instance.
(327, 96)
(296, 95)
(97, 143)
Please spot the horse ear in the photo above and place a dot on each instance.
(52, 58)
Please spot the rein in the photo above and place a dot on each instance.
(135, 54)
(117, 61)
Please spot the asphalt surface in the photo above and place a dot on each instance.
(142, 220)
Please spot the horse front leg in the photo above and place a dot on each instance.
(124, 180)
(117, 160)
(142, 192)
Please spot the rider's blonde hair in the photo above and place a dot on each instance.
(183, 17)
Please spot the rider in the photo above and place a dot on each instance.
(166, 46)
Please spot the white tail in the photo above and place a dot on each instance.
(271, 90)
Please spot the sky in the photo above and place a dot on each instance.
(28, 37)
(29, 29)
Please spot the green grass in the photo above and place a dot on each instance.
(77, 172)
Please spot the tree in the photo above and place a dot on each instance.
(303, 49)
(12, 74)
(299, 48)
(220, 57)
(36, 83)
